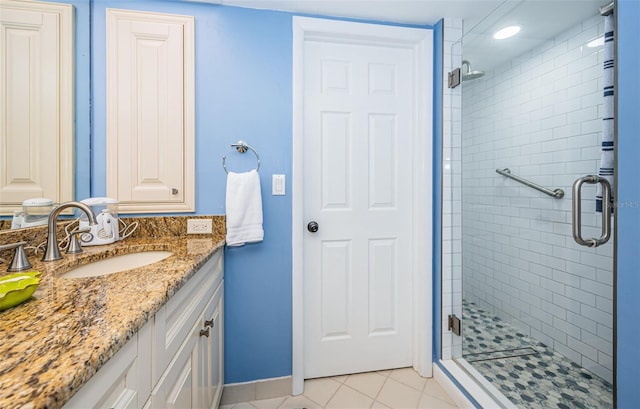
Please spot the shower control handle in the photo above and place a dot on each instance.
(577, 211)
(313, 227)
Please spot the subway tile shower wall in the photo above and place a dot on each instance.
(540, 116)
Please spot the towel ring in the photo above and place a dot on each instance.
(241, 146)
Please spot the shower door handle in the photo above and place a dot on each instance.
(577, 209)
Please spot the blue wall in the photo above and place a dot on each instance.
(628, 266)
(243, 91)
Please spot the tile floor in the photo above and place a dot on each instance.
(395, 389)
(527, 372)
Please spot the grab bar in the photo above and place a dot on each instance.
(557, 193)
(577, 211)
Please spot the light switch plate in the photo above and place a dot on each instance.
(278, 185)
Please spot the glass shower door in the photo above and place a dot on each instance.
(536, 307)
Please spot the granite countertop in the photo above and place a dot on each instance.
(52, 344)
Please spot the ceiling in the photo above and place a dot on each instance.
(540, 19)
(418, 12)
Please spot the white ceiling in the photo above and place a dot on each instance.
(540, 19)
(419, 12)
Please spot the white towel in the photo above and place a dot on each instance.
(244, 208)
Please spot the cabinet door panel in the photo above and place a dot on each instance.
(181, 394)
(181, 312)
(175, 388)
(210, 349)
(36, 103)
(126, 400)
(150, 134)
(114, 385)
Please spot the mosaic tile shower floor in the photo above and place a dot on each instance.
(526, 371)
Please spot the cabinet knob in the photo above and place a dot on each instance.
(204, 332)
(174, 191)
(208, 323)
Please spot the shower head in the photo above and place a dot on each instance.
(469, 74)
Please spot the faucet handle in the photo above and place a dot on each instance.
(19, 262)
(74, 246)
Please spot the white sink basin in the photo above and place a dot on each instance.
(117, 263)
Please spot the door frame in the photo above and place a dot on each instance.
(421, 42)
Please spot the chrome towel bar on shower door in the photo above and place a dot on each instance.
(557, 193)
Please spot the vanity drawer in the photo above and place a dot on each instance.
(175, 319)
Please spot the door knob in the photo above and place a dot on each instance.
(312, 227)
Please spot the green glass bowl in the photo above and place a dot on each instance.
(17, 288)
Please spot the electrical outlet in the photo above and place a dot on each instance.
(199, 226)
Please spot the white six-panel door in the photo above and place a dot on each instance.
(358, 127)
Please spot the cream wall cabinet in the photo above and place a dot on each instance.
(36, 102)
(150, 111)
(175, 360)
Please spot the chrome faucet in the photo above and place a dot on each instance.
(52, 252)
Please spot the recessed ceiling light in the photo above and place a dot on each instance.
(598, 42)
(506, 32)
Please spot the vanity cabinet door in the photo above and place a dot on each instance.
(194, 377)
(210, 350)
(182, 312)
(150, 111)
(176, 387)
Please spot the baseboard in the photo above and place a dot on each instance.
(256, 390)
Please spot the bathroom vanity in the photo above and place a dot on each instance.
(145, 337)
(175, 359)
